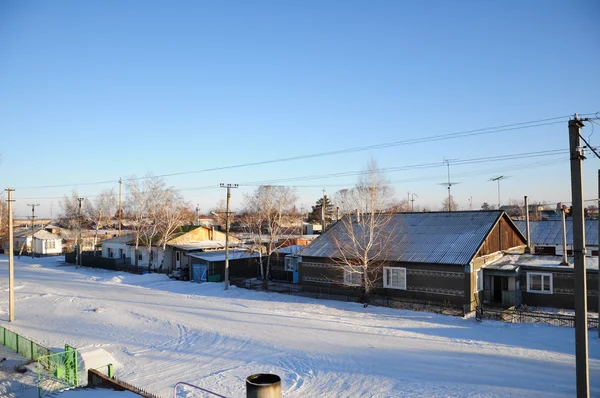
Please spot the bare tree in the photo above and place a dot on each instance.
(452, 206)
(364, 239)
(137, 206)
(101, 210)
(174, 212)
(268, 212)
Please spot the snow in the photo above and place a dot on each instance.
(162, 331)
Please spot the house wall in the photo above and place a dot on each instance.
(238, 269)
(502, 237)
(127, 250)
(169, 262)
(44, 246)
(200, 234)
(562, 290)
(430, 282)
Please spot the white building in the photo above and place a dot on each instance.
(44, 243)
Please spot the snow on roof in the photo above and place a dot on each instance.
(293, 249)
(201, 245)
(533, 260)
(439, 237)
(41, 235)
(550, 232)
(219, 255)
(119, 239)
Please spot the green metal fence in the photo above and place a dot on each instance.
(24, 346)
(57, 372)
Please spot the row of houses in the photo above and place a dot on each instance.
(463, 259)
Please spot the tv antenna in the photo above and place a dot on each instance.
(449, 183)
(499, 178)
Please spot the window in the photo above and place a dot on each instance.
(394, 278)
(140, 257)
(352, 278)
(539, 282)
(110, 252)
(288, 263)
(50, 244)
(479, 280)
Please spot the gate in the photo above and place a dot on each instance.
(57, 372)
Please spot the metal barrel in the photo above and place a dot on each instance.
(263, 385)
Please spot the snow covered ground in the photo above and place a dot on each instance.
(162, 331)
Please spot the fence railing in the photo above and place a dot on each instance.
(377, 300)
(515, 315)
(22, 345)
(57, 372)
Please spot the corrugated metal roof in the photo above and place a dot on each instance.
(120, 239)
(202, 245)
(219, 255)
(550, 232)
(444, 237)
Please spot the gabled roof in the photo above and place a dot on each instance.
(119, 239)
(202, 245)
(40, 234)
(550, 232)
(219, 255)
(437, 237)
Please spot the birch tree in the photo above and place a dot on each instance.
(137, 204)
(174, 213)
(101, 210)
(364, 238)
(267, 213)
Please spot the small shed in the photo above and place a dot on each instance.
(210, 266)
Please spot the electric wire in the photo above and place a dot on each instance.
(434, 138)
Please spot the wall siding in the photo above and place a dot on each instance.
(563, 294)
(431, 282)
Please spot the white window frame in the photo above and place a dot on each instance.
(479, 280)
(288, 263)
(350, 276)
(387, 270)
(542, 275)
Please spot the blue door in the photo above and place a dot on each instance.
(295, 271)
(199, 272)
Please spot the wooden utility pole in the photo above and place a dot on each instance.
(32, 228)
(598, 252)
(228, 186)
(581, 333)
(11, 260)
(197, 215)
(79, 261)
(323, 223)
(412, 202)
(120, 201)
(528, 231)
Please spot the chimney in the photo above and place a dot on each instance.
(527, 228)
(357, 216)
(565, 261)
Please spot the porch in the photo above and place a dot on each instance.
(502, 285)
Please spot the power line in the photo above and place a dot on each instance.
(440, 137)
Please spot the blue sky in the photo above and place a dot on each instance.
(94, 91)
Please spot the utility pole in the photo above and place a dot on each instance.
(32, 228)
(79, 261)
(120, 201)
(412, 201)
(527, 229)
(598, 291)
(323, 224)
(581, 333)
(228, 186)
(197, 215)
(408, 202)
(565, 261)
(11, 259)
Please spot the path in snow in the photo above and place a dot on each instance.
(163, 331)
